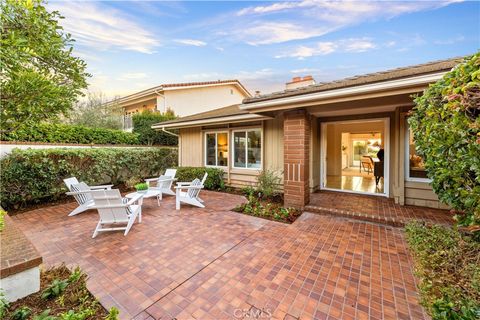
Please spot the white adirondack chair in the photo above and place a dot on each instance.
(163, 183)
(80, 191)
(115, 213)
(188, 192)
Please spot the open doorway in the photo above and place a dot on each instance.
(355, 156)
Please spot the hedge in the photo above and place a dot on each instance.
(142, 125)
(447, 264)
(446, 127)
(36, 175)
(63, 133)
(214, 180)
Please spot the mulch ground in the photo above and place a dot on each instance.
(76, 297)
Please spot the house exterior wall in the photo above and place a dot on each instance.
(192, 150)
(191, 153)
(141, 106)
(190, 101)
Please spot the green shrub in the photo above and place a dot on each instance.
(142, 125)
(64, 133)
(141, 186)
(36, 175)
(21, 313)
(2, 219)
(446, 127)
(448, 265)
(214, 180)
(268, 182)
(55, 289)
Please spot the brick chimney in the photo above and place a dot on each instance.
(298, 82)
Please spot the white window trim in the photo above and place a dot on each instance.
(407, 158)
(216, 149)
(246, 148)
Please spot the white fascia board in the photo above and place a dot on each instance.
(139, 95)
(201, 122)
(361, 89)
(235, 83)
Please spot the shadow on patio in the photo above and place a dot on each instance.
(216, 264)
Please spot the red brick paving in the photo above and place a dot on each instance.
(215, 264)
(373, 209)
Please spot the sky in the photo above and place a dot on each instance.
(134, 45)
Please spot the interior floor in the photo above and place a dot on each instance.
(355, 171)
(355, 183)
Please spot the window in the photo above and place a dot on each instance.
(216, 149)
(414, 163)
(247, 149)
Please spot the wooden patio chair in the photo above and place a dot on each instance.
(188, 192)
(80, 191)
(115, 212)
(163, 183)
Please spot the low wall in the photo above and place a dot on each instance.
(6, 147)
(19, 263)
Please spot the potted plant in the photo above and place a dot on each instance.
(141, 187)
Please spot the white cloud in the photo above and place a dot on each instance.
(281, 6)
(304, 70)
(98, 26)
(133, 76)
(286, 21)
(325, 48)
(277, 32)
(191, 42)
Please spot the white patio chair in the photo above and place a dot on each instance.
(115, 213)
(163, 183)
(188, 192)
(80, 192)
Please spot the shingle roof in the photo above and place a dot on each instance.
(232, 110)
(404, 72)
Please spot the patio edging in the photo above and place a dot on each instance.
(355, 215)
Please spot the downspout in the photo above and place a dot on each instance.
(179, 148)
(168, 132)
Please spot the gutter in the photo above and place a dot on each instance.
(209, 121)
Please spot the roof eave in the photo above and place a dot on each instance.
(343, 92)
(211, 121)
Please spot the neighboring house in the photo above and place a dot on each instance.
(349, 135)
(183, 98)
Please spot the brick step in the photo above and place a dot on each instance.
(355, 215)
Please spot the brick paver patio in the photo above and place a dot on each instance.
(374, 209)
(216, 264)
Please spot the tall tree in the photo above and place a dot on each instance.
(39, 76)
(96, 112)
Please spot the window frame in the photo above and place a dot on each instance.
(216, 149)
(246, 130)
(407, 158)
